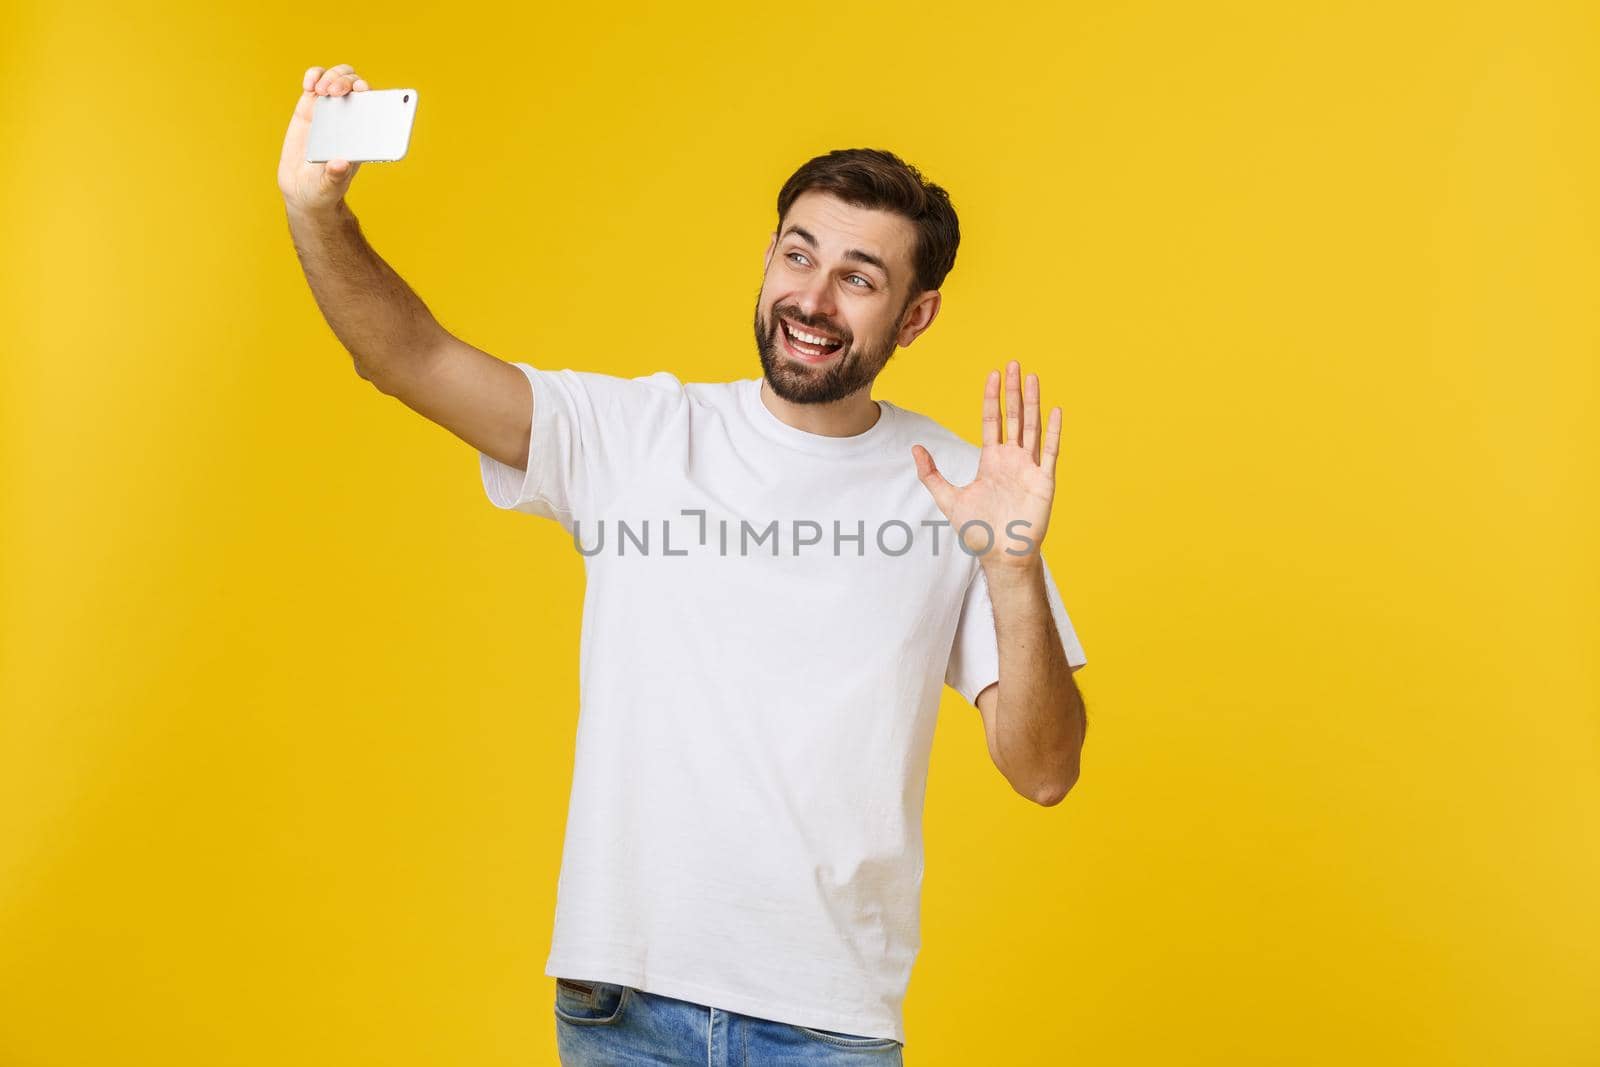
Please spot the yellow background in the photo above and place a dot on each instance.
(288, 707)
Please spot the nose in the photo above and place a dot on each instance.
(815, 300)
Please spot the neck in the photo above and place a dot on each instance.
(846, 417)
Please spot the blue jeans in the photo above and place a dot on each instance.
(599, 1024)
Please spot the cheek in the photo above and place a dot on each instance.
(870, 330)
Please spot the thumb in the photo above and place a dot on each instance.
(336, 173)
(943, 492)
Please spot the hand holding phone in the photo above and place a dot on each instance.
(338, 123)
(363, 126)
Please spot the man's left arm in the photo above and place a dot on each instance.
(1033, 716)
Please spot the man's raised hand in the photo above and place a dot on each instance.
(1015, 482)
(308, 188)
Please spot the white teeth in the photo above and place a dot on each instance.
(808, 338)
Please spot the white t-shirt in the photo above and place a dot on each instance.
(757, 690)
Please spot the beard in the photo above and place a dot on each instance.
(852, 367)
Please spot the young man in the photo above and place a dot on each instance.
(780, 582)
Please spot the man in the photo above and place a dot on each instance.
(780, 582)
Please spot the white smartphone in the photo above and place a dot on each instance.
(372, 126)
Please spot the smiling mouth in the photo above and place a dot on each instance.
(809, 350)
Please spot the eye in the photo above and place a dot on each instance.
(799, 258)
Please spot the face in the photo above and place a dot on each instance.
(842, 277)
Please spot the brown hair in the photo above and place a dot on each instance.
(875, 179)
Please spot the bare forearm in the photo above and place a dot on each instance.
(1039, 715)
(371, 309)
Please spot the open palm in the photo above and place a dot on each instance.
(1016, 478)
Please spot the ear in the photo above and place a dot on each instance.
(918, 317)
(766, 262)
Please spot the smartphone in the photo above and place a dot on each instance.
(372, 126)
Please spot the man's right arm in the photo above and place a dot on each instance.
(391, 335)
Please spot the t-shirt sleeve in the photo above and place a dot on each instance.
(590, 432)
(975, 654)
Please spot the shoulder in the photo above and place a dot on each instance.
(657, 393)
(714, 392)
(722, 399)
(956, 457)
(600, 388)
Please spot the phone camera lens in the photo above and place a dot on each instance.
(406, 99)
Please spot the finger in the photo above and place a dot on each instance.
(325, 83)
(943, 492)
(1013, 400)
(309, 81)
(360, 85)
(991, 409)
(1052, 442)
(336, 174)
(1030, 416)
(331, 73)
(304, 108)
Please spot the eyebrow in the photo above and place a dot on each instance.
(853, 254)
